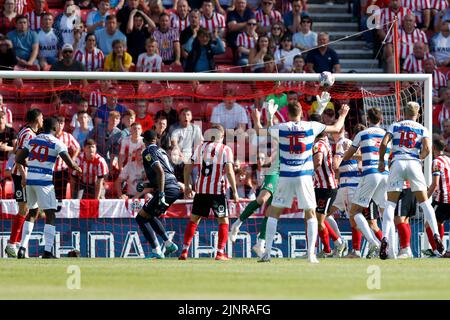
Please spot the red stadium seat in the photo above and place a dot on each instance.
(34, 91)
(84, 13)
(125, 90)
(10, 94)
(210, 90)
(48, 109)
(149, 89)
(226, 58)
(228, 68)
(55, 10)
(154, 107)
(18, 110)
(171, 68)
(209, 109)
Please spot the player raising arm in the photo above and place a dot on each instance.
(410, 144)
(295, 143)
(43, 151)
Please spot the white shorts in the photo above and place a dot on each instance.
(344, 198)
(371, 187)
(288, 188)
(406, 170)
(42, 197)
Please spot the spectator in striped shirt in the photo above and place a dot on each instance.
(119, 60)
(212, 20)
(237, 21)
(131, 147)
(61, 171)
(440, 46)
(139, 29)
(98, 96)
(168, 41)
(387, 16)
(82, 131)
(96, 18)
(91, 57)
(245, 41)
(266, 15)
(422, 11)
(414, 62)
(149, 61)
(90, 183)
(179, 20)
(439, 79)
(441, 113)
(4, 108)
(35, 15)
(202, 47)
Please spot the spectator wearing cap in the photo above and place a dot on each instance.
(119, 60)
(138, 31)
(305, 39)
(440, 46)
(293, 18)
(237, 21)
(266, 15)
(284, 56)
(246, 41)
(230, 114)
(96, 18)
(50, 43)
(66, 21)
(107, 35)
(103, 112)
(201, 49)
(90, 183)
(25, 43)
(323, 58)
(168, 41)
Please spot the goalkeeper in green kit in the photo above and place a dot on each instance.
(267, 189)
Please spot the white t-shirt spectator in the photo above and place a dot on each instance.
(187, 139)
(75, 124)
(229, 118)
(288, 58)
(440, 47)
(132, 173)
(307, 40)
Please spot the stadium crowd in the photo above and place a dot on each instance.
(104, 135)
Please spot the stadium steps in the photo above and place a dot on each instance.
(350, 27)
(356, 53)
(314, 7)
(333, 17)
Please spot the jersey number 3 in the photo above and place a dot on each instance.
(40, 153)
(407, 139)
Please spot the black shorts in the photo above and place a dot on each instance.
(204, 203)
(442, 211)
(325, 199)
(372, 212)
(19, 191)
(406, 205)
(151, 206)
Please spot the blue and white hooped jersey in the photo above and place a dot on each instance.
(349, 174)
(43, 150)
(295, 143)
(407, 136)
(369, 142)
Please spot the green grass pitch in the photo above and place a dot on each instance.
(103, 278)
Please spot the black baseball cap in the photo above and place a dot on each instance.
(149, 135)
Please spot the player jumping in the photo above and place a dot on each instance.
(166, 191)
(295, 144)
(410, 145)
(42, 152)
(215, 160)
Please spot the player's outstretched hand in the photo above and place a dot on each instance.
(381, 166)
(344, 110)
(323, 101)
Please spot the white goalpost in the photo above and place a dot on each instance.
(368, 98)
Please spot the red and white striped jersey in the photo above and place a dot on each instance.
(324, 175)
(92, 169)
(216, 21)
(414, 65)
(439, 81)
(21, 7)
(179, 23)
(8, 113)
(417, 7)
(211, 158)
(245, 40)
(265, 20)
(97, 98)
(439, 5)
(407, 40)
(147, 63)
(72, 146)
(131, 150)
(24, 135)
(92, 61)
(441, 168)
(387, 16)
(34, 20)
(444, 114)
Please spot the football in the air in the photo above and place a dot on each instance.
(326, 79)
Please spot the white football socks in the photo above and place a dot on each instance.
(334, 225)
(388, 219)
(313, 230)
(27, 229)
(271, 229)
(49, 236)
(430, 216)
(363, 226)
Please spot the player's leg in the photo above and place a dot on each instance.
(356, 240)
(220, 210)
(372, 213)
(323, 201)
(333, 229)
(47, 202)
(201, 207)
(32, 204)
(143, 221)
(307, 201)
(19, 218)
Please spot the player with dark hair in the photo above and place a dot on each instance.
(215, 161)
(440, 190)
(42, 152)
(162, 180)
(34, 120)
